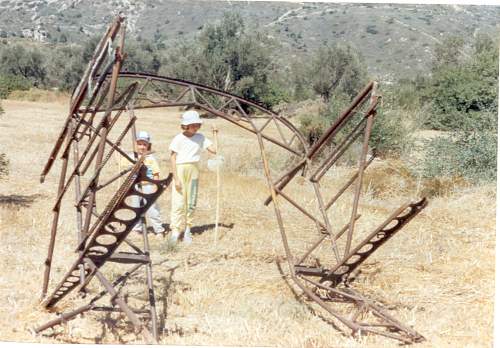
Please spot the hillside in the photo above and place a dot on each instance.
(396, 40)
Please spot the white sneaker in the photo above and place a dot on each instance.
(161, 230)
(187, 236)
(174, 236)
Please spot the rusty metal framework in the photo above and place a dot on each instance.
(321, 258)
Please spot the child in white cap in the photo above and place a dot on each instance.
(185, 150)
(142, 146)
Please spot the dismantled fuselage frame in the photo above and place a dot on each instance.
(320, 270)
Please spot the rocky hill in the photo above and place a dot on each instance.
(396, 40)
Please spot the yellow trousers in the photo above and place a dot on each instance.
(184, 202)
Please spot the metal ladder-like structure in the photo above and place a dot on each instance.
(336, 246)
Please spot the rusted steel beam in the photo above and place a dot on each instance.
(79, 92)
(332, 131)
(413, 335)
(79, 222)
(300, 208)
(126, 96)
(347, 185)
(64, 317)
(223, 115)
(228, 118)
(53, 232)
(340, 121)
(321, 207)
(150, 284)
(112, 144)
(109, 182)
(83, 114)
(321, 238)
(105, 128)
(129, 258)
(276, 206)
(113, 309)
(286, 178)
(121, 303)
(77, 168)
(395, 329)
(120, 280)
(93, 180)
(354, 327)
(337, 152)
(362, 163)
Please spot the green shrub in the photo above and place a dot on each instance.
(27, 63)
(9, 83)
(469, 154)
(406, 94)
(313, 126)
(461, 88)
(274, 94)
(391, 134)
(336, 70)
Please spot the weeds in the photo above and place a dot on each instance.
(471, 155)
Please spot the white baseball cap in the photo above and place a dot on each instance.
(144, 136)
(190, 117)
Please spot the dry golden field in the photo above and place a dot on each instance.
(436, 275)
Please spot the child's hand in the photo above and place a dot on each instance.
(178, 186)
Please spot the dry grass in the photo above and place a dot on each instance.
(437, 274)
(40, 95)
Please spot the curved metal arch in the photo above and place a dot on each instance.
(157, 91)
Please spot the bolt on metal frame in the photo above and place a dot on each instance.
(326, 285)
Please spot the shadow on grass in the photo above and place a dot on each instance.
(202, 228)
(166, 287)
(19, 200)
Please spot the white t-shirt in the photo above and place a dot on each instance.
(188, 149)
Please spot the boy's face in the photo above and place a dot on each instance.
(193, 128)
(142, 146)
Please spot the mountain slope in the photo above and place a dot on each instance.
(396, 40)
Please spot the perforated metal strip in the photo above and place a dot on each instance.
(378, 237)
(112, 227)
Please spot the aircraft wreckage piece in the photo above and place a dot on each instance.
(321, 272)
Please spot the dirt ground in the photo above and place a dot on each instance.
(436, 275)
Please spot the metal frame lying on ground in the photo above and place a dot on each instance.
(105, 94)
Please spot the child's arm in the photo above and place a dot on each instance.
(212, 150)
(155, 168)
(173, 160)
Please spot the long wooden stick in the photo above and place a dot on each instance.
(217, 169)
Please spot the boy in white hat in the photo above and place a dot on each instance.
(142, 146)
(185, 150)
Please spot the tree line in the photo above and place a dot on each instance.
(458, 97)
(231, 55)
